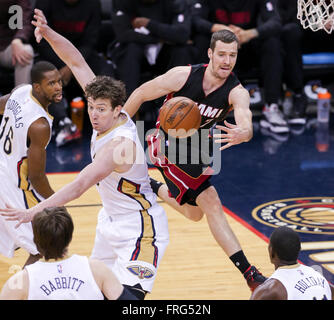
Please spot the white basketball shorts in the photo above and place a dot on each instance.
(11, 238)
(132, 245)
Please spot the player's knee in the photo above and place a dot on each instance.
(209, 201)
(193, 213)
(197, 216)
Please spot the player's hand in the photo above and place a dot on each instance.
(13, 214)
(40, 23)
(233, 135)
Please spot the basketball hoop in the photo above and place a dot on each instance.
(316, 14)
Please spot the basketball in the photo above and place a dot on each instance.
(180, 117)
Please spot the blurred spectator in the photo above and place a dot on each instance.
(79, 21)
(149, 31)
(15, 32)
(292, 41)
(257, 25)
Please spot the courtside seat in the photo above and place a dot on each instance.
(318, 64)
(319, 58)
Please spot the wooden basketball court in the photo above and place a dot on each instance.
(193, 267)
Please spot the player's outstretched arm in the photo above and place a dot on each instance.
(242, 131)
(64, 49)
(105, 279)
(115, 155)
(171, 81)
(38, 134)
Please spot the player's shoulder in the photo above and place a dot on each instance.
(176, 77)
(20, 87)
(239, 91)
(39, 130)
(40, 124)
(239, 87)
(22, 90)
(271, 289)
(180, 70)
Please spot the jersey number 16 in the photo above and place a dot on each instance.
(7, 145)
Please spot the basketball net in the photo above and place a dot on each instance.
(316, 14)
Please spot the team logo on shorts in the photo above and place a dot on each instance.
(141, 272)
(308, 215)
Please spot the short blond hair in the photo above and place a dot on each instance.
(225, 36)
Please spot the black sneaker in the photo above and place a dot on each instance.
(67, 132)
(298, 116)
(254, 278)
(155, 185)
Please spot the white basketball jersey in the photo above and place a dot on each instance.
(21, 110)
(68, 279)
(129, 191)
(303, 283)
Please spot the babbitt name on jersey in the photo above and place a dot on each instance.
(62, 283)
(303, 284)
(16, 109)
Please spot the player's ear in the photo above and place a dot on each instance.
(271, 252)
(36, 86)
(210, 53)
(117, 110)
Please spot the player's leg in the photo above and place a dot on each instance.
(102, 251)
(210, 203)
(146, 248)
(26, 241)
(208, 200)
(189, 211)
(132, 246)
(13, 238)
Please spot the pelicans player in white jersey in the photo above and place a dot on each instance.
(25, 132)
(60, 276)
(291, 280)
(132, 230)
